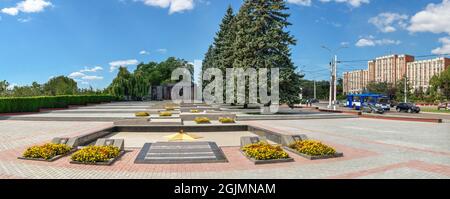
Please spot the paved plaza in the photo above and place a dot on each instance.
(372, 149)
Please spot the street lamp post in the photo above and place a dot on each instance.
(333, 82)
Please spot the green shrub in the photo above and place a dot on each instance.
(312, 148)
(33, 104)
(264, 151)
(93, 154)
(47, 151)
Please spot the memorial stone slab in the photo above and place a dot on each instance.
(119, 143)
(247, 140)
(60, 140)
(287, 140)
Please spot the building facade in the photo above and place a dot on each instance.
(355, 81)
(419, 73)
(392, 69)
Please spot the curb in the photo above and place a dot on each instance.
(340, 111)
(407, 119)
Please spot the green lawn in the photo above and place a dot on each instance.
(433, 110)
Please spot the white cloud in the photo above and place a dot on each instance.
(27, 6)
(144, 52)
(10, 11)
(81, 75)
(124, 63)
(389, 22)
(300, 2)
(75, 75)
(344, 43)
(445, 49)
(365, 42)
(93, 77)
(93, 70)
(353, 3)
(371, 41)
(173, 5)
(24, 20)
(435, 18)
(162, 50)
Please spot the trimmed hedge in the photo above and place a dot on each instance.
(33, 104)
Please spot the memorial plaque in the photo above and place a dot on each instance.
(287, 140)
(60, 140)
(247, 140)
(119, 143)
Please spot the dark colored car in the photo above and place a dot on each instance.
(313, 101)
(408, 107)
(444, 105)
(372, 109)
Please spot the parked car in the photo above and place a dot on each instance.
(313, 101)
(444, 105)
(372, 109)
(393, 104)
(408, 107)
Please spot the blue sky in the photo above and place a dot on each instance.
(88, 39)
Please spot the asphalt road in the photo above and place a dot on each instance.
(393, 112)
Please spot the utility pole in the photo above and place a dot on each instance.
(335, 81)
(406, 89)
(331, 85)
(315, 90)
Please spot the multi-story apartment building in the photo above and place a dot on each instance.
(394, 68)
(402, 66)
(355, 81)
(419, 73)
(391, 68)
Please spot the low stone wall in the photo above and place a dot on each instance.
(211, 116)
(89, 137)
(171, 129)
(407, 119)
(266, 133)
(201, 109)
(341, 111)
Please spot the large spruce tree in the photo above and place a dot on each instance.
(208, 62)
(261, 41)
(223, 42)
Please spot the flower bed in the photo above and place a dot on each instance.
(99, 155)
(195, 111)
(142, 114)
(202, 120)
(165, 114)
(226, 120)
(312, 150)
(263, 153)
(48, 152)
